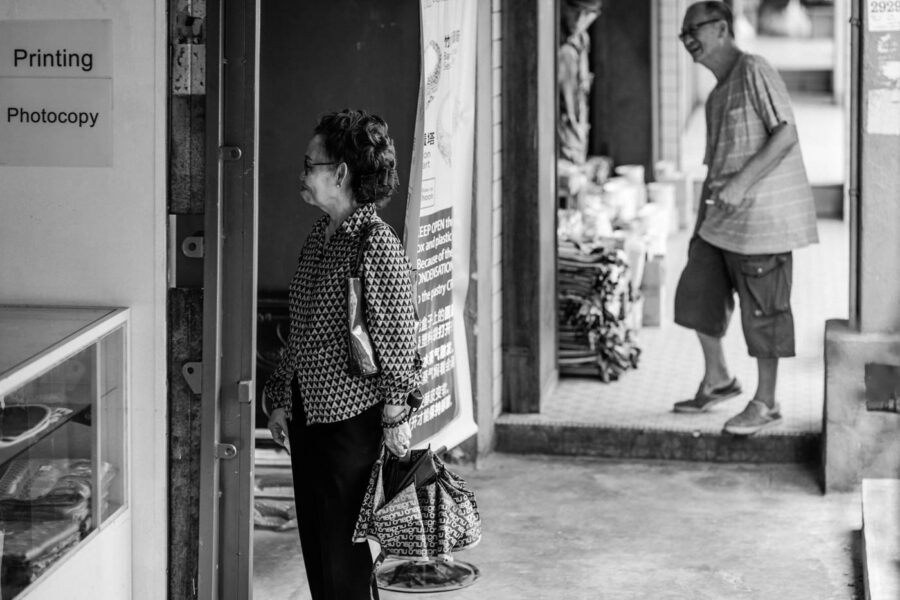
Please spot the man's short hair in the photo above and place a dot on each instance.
(714, 9)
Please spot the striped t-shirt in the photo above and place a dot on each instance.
(741, 113)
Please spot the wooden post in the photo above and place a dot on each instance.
(529, 203)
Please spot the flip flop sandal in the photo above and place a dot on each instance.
(704, 401)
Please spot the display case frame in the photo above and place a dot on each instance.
(38, 343)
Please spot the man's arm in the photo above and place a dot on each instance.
(733, 191)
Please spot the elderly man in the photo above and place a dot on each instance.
(756, 207)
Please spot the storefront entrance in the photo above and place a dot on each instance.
(314, 58)
(659, 94)
(267, 92)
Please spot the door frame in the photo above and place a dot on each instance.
(229, 304)
(528, 213)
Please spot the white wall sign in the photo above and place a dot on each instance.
(883, 108)
(884, 15)
(56, 93)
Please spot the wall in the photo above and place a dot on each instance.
(675, 93)
(97, 236)
(621, 98)
(316, 58)
(857, 443)
(879, 222)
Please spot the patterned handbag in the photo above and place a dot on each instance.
(433, 514)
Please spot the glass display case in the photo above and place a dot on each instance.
(63, 399)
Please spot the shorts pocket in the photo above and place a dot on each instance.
(768, 283)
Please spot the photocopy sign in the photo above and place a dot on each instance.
(56, 93)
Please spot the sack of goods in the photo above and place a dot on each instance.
(417, 509)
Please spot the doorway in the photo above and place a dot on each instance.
(812, 61)
(315, 57)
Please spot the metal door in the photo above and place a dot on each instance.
(229, 304)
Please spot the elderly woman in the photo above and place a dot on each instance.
(333, 421)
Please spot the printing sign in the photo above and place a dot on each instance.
(56, 93)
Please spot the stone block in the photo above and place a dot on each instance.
(529, 434)
(856, 443)
(881, 538)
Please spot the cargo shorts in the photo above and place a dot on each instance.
(704, 299)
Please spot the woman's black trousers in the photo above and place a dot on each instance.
(331, 466)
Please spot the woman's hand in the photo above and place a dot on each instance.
(397, 439)
(278, 427)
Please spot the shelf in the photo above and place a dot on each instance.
(59, 415)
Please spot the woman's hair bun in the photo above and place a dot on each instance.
(361, 140)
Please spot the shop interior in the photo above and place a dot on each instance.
(624, 226)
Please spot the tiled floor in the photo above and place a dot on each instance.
(671, 365)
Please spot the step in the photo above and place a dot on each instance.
(881, 538)
(529, 434)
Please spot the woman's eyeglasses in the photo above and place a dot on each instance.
(309, 164)
(693, 29)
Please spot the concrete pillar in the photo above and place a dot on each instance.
(858, 443)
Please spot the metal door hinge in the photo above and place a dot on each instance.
(188, 75)
(245, 392)
(192, 372)
(185, 247)
(226, 451)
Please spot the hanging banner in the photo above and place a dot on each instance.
(438, 219)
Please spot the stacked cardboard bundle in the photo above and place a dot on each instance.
(598, 313)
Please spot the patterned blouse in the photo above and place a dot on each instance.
(317, 349)
(741, 113)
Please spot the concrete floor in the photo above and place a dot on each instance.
(578, 528)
